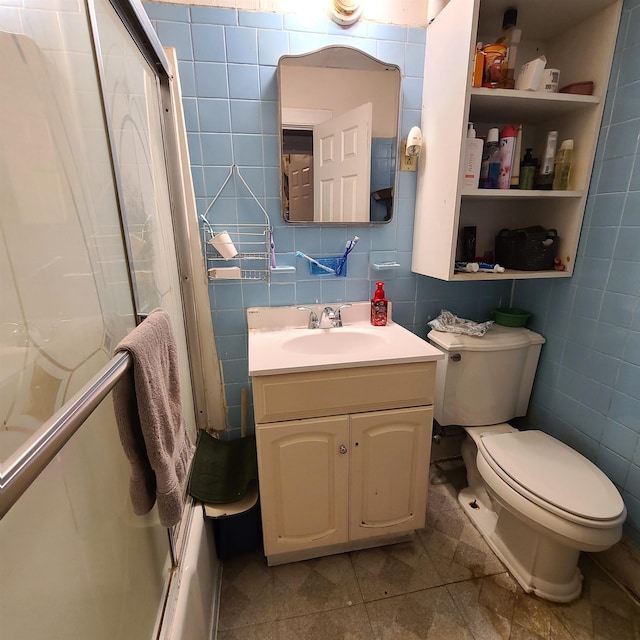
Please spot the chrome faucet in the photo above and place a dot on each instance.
(314, 323)
(334, 316)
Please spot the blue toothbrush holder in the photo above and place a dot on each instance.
(337, 263)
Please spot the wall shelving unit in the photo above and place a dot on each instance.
(578, 38)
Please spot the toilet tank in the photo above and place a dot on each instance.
(484, 380)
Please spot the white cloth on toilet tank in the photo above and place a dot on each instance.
(450, 323)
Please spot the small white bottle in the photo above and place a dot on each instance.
(472, 159)
(545, 179)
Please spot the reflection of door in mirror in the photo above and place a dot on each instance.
(342, 166)
(315, 91)
(300, 181)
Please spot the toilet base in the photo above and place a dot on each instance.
(540, 564)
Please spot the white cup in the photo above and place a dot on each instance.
(550, 80)
(224, 245)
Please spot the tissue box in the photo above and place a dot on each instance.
(531, 74)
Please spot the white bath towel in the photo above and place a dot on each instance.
(150, 422)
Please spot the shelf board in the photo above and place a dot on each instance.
(517, 194)
(511, 274)
(528, 107)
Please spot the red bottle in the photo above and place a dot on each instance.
(379, 307)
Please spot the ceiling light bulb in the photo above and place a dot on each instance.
(345, 12)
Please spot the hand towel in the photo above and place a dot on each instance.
(150, 422)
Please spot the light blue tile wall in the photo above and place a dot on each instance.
(587, 391)
(227, 64)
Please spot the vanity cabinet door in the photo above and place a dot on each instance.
(304, 467)
(389, 475)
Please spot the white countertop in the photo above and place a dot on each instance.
(280, 342)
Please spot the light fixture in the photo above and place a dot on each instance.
(345, 12)
(414, 142)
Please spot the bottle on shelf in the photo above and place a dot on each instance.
(495, 61)
(379, 304)
(528, 168)
(478, 66)
(562, 169)
(507, 148)
(490, 167)
(511, 38)
(515, 169)
(545, 178)
(472, 159)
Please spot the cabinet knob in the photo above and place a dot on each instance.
(456, 357)
(342, 449)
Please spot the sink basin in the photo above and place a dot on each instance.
(280, 342)
(333, 341)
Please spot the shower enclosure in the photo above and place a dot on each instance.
(87, 248)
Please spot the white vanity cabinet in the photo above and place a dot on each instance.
(578, 38)
(343, 457)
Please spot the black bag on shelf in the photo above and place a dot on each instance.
(530, 249)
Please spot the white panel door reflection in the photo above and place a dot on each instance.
(342, 166)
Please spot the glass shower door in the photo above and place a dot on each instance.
(76, 562)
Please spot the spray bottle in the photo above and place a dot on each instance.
(507, 148)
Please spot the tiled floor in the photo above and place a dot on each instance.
(444, 584)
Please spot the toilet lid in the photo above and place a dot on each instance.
(554, 473)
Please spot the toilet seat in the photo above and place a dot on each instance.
(547, 472)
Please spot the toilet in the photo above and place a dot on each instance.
(537, 502)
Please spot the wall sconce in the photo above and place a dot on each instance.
(345, 12)
(414, 142)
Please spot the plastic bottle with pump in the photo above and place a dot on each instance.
(528, 170)
(379, 304)
(490, 168)
(562, 169)
(472, 159)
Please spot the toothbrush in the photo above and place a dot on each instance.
(490, 268)
(299, 254)
(347, 250)
(273, 250)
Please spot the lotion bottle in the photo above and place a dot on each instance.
(379, 304)
(472, 159)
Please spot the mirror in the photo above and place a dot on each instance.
(338, 113)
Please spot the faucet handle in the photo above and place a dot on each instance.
(338, 315)
(314, 323)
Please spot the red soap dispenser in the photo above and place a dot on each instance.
(379, 306)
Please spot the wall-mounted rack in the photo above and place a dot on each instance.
(252, 243)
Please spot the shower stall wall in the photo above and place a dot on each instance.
(92, 237)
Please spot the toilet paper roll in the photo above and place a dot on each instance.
(224, 245)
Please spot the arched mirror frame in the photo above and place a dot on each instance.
(384, 93)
